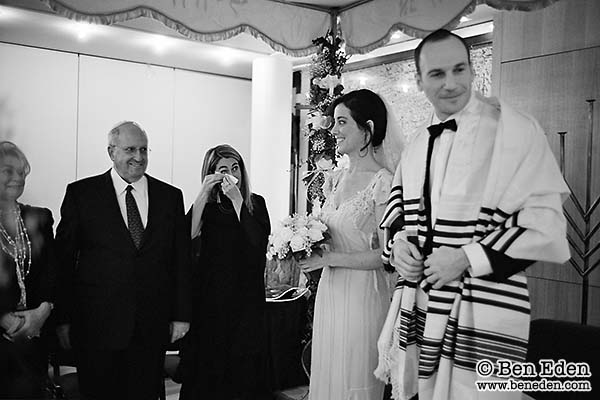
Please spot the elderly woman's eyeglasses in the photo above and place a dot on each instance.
(130, 151)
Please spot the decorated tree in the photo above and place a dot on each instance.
(325, 86)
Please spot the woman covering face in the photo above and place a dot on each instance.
(27, 272)
(223, 357)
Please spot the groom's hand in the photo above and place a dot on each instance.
(445, 264)
(407, 259)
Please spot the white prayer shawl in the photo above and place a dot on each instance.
(502, 188)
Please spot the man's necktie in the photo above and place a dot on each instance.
(134, 221)
(434, 132)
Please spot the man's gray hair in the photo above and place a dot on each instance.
(114, 132)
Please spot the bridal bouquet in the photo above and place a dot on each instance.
(297, 236)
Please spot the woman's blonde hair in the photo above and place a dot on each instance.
(10, 149)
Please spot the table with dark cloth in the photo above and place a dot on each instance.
(285, 322)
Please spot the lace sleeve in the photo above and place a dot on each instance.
(381, 188)
(372, 202)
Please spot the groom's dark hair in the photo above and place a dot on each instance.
(438, 36)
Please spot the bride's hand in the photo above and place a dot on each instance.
(314, 262)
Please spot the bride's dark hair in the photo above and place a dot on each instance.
(365, 105)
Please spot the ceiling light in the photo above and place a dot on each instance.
(396, 35)
(464, 19)
(6, 13)
(159, 43)
(227, 55)
(83, 30)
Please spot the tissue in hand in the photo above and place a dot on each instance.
(232, 179)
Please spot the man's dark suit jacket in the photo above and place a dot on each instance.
(106, 286)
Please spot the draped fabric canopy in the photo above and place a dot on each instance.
(289, 26)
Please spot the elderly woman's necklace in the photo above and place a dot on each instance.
(19, 249)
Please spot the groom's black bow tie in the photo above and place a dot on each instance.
(436, 130)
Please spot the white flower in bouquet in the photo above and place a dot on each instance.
(298, 243)
(315, 234)
(297, 236)
(317, 224)
(286, 234)
(300, 222)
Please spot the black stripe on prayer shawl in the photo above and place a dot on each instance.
(477, 349)
(499, 292)
(467, 234)
(395, 195)
(438, 311)
(485, 210)
(415, 201)
(474, 349)
(507, 236)
(502, 213)
(467, 346)
(451, 289)
(510, 281)
(407, 283)
(492, 239)
(479, 335)
(496, 303)
(450, 222)
(407, 325)
(440, 299)
(394, 206)
(519, 231)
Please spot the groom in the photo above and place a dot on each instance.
(124, 272)
(477, 198)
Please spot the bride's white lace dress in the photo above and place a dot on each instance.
(351, 304)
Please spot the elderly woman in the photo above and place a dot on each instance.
(27, 266)
(224, 354)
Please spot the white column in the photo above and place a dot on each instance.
(270, 140)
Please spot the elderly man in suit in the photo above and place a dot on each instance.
(124, 266)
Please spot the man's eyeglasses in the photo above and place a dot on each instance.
(130, 151)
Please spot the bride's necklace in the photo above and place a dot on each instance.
(19, 249)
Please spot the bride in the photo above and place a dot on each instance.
(353, 294)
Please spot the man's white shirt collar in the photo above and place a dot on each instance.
(141, 185)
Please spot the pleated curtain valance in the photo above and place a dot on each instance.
(288, 26)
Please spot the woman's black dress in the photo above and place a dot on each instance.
(223, 355)
(24, 363)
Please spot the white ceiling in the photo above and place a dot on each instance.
(148, 41)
